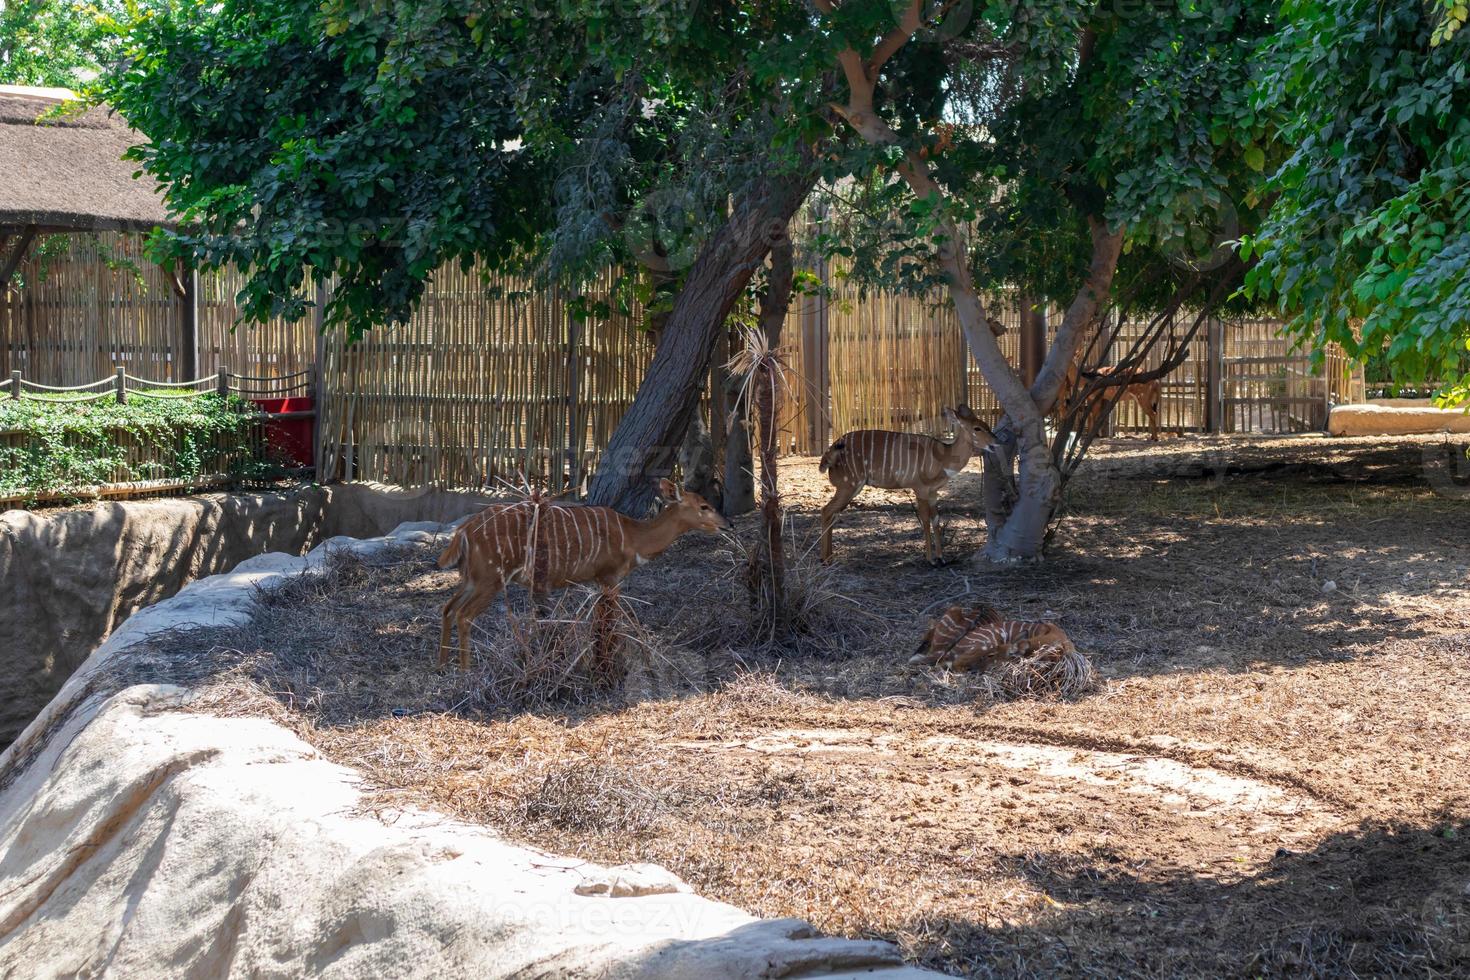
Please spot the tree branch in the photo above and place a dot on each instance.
(1107, 245)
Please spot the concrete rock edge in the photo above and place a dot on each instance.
(140, 839)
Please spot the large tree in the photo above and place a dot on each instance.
(1368, 240)
(368, 145)
(1088, 145)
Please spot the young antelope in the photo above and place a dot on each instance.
(547, 546)
(977, 638)
(901, 460)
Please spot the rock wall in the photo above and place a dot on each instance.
(1395, 420)
(140, 838)
(67, 579)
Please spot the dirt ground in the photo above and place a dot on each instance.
(1273, 777)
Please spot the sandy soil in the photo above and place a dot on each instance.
(1273, 778)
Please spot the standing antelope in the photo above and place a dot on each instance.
(546, 546)
(1145, 394)
(898, 460)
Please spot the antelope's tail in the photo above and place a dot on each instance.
(451, 553)
(835, 456)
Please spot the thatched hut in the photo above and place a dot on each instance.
(65, 173)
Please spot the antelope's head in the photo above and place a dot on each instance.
(970, 426)
(692, 511)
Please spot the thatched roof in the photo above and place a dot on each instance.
(68, 174)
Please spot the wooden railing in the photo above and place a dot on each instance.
(263, 440)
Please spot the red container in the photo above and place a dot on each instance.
(288, 440)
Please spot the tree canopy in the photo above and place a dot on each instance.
(372, 143)
(62, 43)
(1368, 240)
(1140, 115)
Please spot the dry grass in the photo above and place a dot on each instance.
(1050, 673)
(1269, 777)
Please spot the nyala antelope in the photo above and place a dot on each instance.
(977, 638)
(897, 461)
(1145, 394)
(544, 546)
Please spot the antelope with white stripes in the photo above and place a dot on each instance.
(545, 546)
(897, 461)
(977, 638)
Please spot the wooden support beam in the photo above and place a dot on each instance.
(1214, 371)
(11, 261)
(319, 389)
(187, 366)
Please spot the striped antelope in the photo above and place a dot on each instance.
(898, 460)
(1145, 394)
(977, 638)
(546, 546)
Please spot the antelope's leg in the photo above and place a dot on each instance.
(602, 654)
(922, 505)
(1154, 412)
(938, 531)
(841, 497)
(446, 622)
(472, 605)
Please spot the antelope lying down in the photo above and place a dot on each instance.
(977, 638)
(899, 460)
(545, 546)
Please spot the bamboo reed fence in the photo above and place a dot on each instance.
(491, 380)
(94, 306)
(272, 349)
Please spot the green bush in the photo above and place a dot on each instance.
(60, 444)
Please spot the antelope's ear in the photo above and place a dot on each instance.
(963, 411)
(668, 489)
(950, 416)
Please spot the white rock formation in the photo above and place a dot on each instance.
(139, 838)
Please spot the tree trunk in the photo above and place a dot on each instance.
(1022, 431)
(769, 560)
(1023, 486)
(646, 441)
(697, 459)
(774, 304)
(1018, 516)
(739, 488)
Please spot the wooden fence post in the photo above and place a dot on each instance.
(188, 364)
(1032, 339)
(1214, 380)
(821, 397)
(15, 386)
(120, 385)
(319, 391)
(575, 429)
(222, 383)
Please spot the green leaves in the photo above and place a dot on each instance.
(1368, 241)
(369, 143)
(55, 42)
(67, 445)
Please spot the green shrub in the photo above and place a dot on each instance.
(59, 444)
